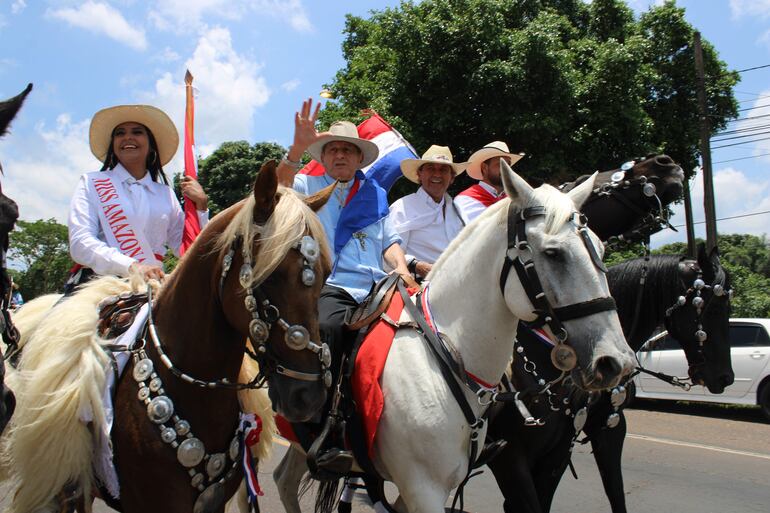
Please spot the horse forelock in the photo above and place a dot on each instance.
(288, 223)
(559, 207)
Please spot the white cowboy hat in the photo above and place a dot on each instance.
(491, 150)
(347, 132)
(161, 126)
(436, 155)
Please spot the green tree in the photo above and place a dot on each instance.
(228, 174)
(576, 86)
(42, 247)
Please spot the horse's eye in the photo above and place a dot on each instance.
(551, 253)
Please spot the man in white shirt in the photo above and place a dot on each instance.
(428, 219)
(484, 165)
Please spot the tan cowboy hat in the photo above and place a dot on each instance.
(161, 126)
(347, 132)
(435, 154)
(491, 150)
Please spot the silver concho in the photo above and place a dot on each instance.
(628, 165)
(618, 176)
(699, 284)
(681, 300)
(618, 396)
(197, 480)
(719, 290)
(309, 249)
(245, 275)
(697, 302)
(155, 384)
(326, 355)
(308, 276)
(235, 448)
(142, 369)
(580, 419)
(297, 337)
(649, 190)
(211, 499)
(160, 409)
(251, 303)
(168, 435)
(259, 331)
(216, 465)
(327, 379)
(143, 393)
(190, 452)
(182, 427)
(613, 420)
(701, 336)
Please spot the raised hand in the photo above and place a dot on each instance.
(305, 133)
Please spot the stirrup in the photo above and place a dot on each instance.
(490, 452)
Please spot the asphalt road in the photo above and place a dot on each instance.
(682, 458)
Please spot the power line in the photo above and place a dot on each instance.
(758, 97)
(752, 108)
(742, 158)
(738, 143)
(733, 137)
(752, 128)
(731, 217)
(748, 118)
(752, 69)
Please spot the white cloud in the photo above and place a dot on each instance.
(18, 6)
(104, 19)
(750, 8)
(291, 85)
(53, 160)
(735, 194)
(230, 89)
(189, 15)
(166, 55)
(760, 107)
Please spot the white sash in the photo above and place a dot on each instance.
(118, 226)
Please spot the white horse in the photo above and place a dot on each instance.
(423, 440)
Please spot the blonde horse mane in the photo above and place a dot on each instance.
(282, 231)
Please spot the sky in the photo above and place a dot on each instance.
(254, 61)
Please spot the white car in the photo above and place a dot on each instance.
(750, 351)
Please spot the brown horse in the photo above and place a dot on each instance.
(255, 272)
(9, 213)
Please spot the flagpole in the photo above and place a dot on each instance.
(191, 224)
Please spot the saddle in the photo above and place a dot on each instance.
(117, 313)
(375, 303)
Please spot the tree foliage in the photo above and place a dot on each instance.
(576, 86)
(42, 247)
(228, 174)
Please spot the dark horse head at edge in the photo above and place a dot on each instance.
(9, 213)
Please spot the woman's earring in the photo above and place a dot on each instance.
(154, 158)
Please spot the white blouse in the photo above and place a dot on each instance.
(153, 207)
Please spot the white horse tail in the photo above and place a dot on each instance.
(60, 382)
(257, 401)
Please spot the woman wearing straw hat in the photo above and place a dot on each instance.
(123, 217)
(484, 165)
(428, 219)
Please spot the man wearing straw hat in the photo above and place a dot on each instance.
(484, 165)
(428, 219)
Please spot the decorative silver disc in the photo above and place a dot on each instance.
(234, 449)
(155, 384)
(618, 396)
(628, 165)
(160, 409)
(250, 302)
(190, 452)
(580, 419)
(197, 480)
(308, 276)
(168, 435)
(618, 176)
(563, 357)
(142, 369)
(613, 420)
(326, 355)
(245, 275)
(143, 393)
(309, 249)
(216, 465)
(327, 379)
(297, 337)
(182, 427)
(211, 499)
(259, 331)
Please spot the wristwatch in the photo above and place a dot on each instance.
(292, 164)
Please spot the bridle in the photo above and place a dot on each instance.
(563, 356)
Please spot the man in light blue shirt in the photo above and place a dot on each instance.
(355, 220)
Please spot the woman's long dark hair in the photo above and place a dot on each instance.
(153, 158)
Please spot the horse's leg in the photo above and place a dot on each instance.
(607, 446)
(288, 475)
(514, 477)
(550, 469)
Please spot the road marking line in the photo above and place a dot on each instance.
(699, 446)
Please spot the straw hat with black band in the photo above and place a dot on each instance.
(491, 150)
(163, 130)
(345, 131)
(434, 155)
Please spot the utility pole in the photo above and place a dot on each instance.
(688, 222)
(705, 150)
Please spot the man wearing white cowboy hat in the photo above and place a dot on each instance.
(428, 219)
(355, 220)
(484, 165)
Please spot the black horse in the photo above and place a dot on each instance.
(690, 296)
(9, 213)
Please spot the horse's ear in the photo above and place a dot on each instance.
(319, 199)
(580, 194)
(515, 186)
(265, 187)
(9, 108)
